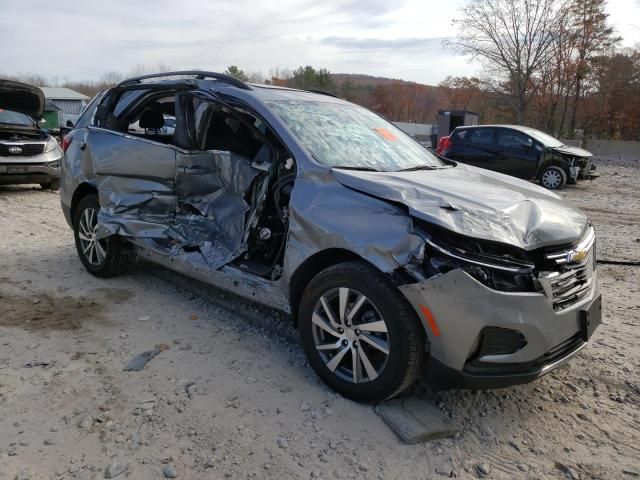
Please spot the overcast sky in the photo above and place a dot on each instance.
(400, 39)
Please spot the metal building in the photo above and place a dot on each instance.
(450, 119)
(68, 101)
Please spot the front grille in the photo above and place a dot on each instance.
(572, 278)
(26, 149)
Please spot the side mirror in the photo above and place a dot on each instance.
(41, 122)
(69, 124)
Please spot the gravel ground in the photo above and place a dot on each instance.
(228, 399)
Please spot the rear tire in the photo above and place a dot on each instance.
(553, 177)
(368, 315)
(53, 184)
(103, 258)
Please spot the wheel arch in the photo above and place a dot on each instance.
(311, 267)
(555, 161)
(82, 191)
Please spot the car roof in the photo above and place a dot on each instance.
(520, 128)
(217, 81)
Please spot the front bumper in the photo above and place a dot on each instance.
(37, 169)
(461, 308)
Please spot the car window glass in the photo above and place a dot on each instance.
(481, 136)
(513, 139)
(345, 135)
(228, 133)
(544, 138)
(87, 113)
(153, 119)
(126, 99)
(15, 118)
(459, 137)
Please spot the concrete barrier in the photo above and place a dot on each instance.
(608, 147)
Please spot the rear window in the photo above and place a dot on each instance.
(481, 136)
(87, 114)
(459, 135)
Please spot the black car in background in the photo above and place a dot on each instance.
(519, 151)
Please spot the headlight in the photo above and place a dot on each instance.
(51, 145)
(497, 273)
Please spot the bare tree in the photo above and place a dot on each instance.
(255, 77)
(593, 36)
(512, 38)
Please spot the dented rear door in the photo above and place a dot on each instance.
(136, 183)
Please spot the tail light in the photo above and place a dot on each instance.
(443, 144)
(66, 141)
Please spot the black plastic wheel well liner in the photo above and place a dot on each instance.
(310, 268)
(82, 191)
(556, 161)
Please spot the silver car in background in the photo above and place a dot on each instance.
(28, 154)
(393, 262)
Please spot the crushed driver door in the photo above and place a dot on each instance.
(219, 189)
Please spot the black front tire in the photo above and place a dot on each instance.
(406, 342)
(117, 257)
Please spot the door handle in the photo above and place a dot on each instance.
(195, 170)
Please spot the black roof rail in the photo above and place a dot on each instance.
(199, 74)
(322, 92)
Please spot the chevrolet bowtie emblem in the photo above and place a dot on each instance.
(577, 256)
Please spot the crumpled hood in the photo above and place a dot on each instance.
(574, 151)
(477, 203)
(22, 98)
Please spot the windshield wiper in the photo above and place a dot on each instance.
(349, 167)
(419, 167)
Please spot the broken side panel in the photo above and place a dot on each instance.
(327, 215)
(212, 210)
(136, 184)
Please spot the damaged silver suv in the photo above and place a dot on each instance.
(392, 261)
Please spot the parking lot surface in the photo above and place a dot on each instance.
(225, 398)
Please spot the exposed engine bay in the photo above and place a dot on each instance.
(13, 136)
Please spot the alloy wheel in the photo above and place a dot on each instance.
(350, 335)
(551, 178)
(94, 250)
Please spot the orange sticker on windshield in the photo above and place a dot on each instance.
(384, 133)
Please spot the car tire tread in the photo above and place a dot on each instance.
(409, 347)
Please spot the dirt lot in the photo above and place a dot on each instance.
(226, 399)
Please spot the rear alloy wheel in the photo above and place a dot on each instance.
(553, 177)
(105, 257)
(359, 333)
(94, 250)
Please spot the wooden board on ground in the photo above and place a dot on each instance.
(415, 420)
